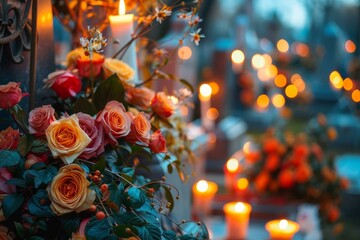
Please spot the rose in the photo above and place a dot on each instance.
(157, 142)
(31, 159)
(140, 96)
(9, 139)
(66, 139)
(72, 56)
(162, 105)
(69, 191)
(95, 132)
(10, 95)
(5, 188)
(122, 70)
(64, 83)
(115, 120)
(5, 233)
(40, 118)
(87, 67)
(139, 130)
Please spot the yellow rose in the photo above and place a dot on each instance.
(66, 139)
(124, 71)
(69, 191)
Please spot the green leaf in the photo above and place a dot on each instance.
(109, 90)
(9, 158)
(83, 105)
(36, 208)
(97, 229)
(131, 218)
(71, 223)
(134, 198)
(39, 146)
(187, 237)
(128, 171)
(116, 191)
(11, 203)
(100, 165)
(20, 116)
(19, 230)
(149, 232)
(187, 84)
(45, 176)
(25, 144)
(36, 238)
(120, 231)
(17, 182)
(169, 235)
(169, 197)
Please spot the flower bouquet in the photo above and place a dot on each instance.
(298, 167)
(70, 170)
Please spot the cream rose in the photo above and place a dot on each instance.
(69, 191)
(115, 120)
(140, 96)
(66, 139)
(124, 71)
(40, 118)
(162, 105)
(140, 130)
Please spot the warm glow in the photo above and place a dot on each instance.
(185, 53)
(212, 114)
(333, 75)
(212, 138)
(184, 110)
(258, 61)
(202, 186)
(282, 45)
(247, 147)
(173, 99)
(263, 101)
(295, 77)
(298, 82)
(291, 91)
(338, 82)
(283, 224)
(278, 100)
(214, 87)
(232, 165)
(242, 183)
(272, 71)
(302, 49)
(356, 95)
(350, 46)
(262, 75)
(239, 207)
(122, 8)
(237, 56)
(348, 84)
(205, 90)
(267, 58)
(280, 80)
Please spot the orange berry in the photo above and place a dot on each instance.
(97, 172)
(95, 178)
(100, 215)
(104, 187)
(92, 208)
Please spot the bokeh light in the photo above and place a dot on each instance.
(348, 84)
(185, 53)
(212, 114)
(242, 184)
(232, 165)
(258, 61)
(356, 95)
(278, 100)
(263, 101)
(282, 45)
(350, 46)
(280, 80)
(291, 91)
(238, 56)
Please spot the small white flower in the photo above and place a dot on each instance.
(94, 43)
(184, 16)
(195, 21)
(162, 14)
(196, 36)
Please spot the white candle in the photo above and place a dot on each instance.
(282, 229)
(237, 219)
(205, 103)
(203, 194)
(122, 27)
(237, 58)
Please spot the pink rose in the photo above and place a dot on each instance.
(115, 120)
(64, 83)
(40, 118)
(10, 95)
(157, 142)
(95, 131)
(9, 139)
(5, 188)
(140, 96)
(140, 129)
(162, 105)
(31, 159)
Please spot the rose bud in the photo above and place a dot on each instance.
(64, 83)
(157, 142)
(10, 95)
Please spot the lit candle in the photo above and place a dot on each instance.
(237, 219)
(122, 28)
(203, 193)
(205, 103)
(237, 58)
(231, 171)
(282, 229)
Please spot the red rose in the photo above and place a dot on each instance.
(40, 118)
(10, 95)
(64, 83)
(87, 67)
(157, 142)
(9, 139)
(162, 105)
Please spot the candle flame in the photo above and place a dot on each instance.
(202, 186)
(239, 207)
(242, 183)
(283, 224)
(232, 165)
(205, 90)
(237, 56)
(122, 8)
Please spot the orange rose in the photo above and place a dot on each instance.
(140, 129)
(9, 139)
(140, 96)
(303, 173)
(286, 179)
(122, 70)
(66, 139)
(69, 191)
(301, 150)
(162, 105)
(271, 145)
